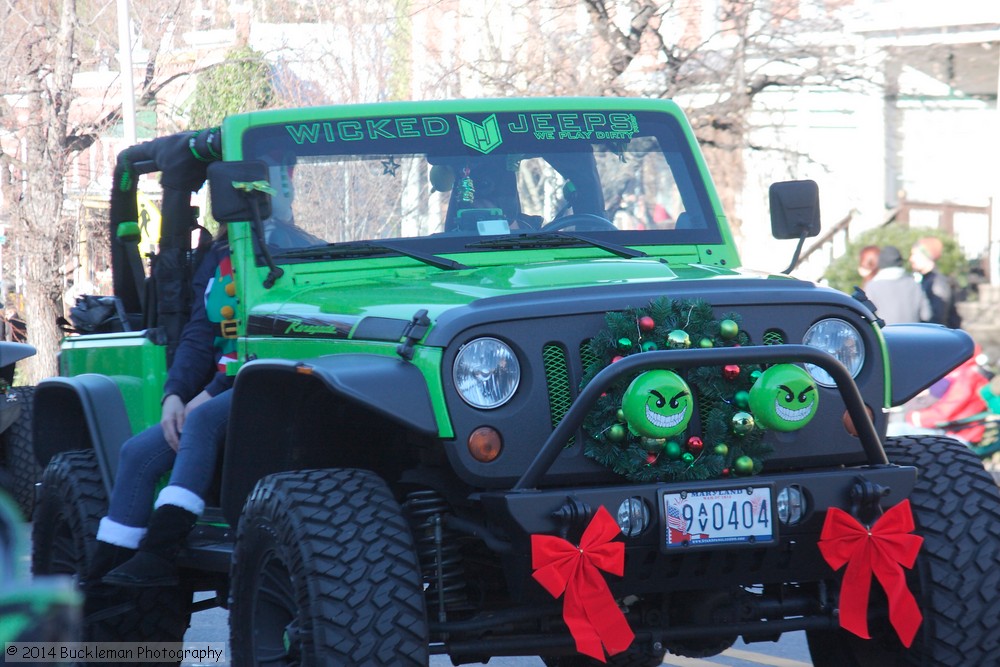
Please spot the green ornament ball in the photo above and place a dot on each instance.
(784, 398)
(743, 423)
(624, 343)
(678, 339)
(722, 449)
(687, 457)
(743, 465)
(741, 399)
(617, 433)
(728, 329)
(649, 346)
(706, 343)
(658, 404)
(673, 450)
(620, 415)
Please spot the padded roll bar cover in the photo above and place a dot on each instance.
(77, 413)
(921, 354)
(262, 437)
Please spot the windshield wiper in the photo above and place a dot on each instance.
(550, 239)
(366, 249)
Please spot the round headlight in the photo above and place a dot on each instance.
(486, 373)
(840, 340)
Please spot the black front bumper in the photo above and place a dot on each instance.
(651, 567)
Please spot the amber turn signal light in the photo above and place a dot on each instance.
(485, 444)
(849, 423)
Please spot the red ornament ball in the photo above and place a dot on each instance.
(617, 357)
(651, 459)
(730, 371)
(646, 323)
(695, 444)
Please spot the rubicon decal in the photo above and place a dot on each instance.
(283, 325)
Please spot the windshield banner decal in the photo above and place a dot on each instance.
(483, 136)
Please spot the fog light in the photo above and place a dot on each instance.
(791, 505)
(633, 516)
(485, 444)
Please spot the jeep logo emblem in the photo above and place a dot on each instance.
(483, 138)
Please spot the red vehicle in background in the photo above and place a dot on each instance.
(964, 404)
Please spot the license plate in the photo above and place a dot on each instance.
(716, 517)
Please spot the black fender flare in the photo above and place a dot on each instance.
(274, 398)
(921, 354)
(81, 412)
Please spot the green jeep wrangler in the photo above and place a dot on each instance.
(503, 387)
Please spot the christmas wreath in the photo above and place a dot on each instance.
(694, 424)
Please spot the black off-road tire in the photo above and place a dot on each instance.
(19, 454)
(70, 507)
(325, 573)
(956, 508)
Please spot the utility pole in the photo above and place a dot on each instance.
(125, 61)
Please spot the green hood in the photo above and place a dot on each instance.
(401, 293)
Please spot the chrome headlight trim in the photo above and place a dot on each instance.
(486, 373)
(842, 341)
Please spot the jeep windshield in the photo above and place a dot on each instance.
(464, 182)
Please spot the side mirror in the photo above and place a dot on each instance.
(231, 203)
(794, 209)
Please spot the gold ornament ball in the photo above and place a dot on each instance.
(653, 444)
(678, 339)
(721, 449)
(620, 415)
(742, 423)
(706, 343)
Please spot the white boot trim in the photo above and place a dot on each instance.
(180, 497)
(119, 534)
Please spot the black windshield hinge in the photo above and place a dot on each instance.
(414, 331)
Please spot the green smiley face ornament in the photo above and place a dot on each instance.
(657, 404)
(784, 398)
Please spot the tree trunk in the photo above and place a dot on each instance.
(40, 209)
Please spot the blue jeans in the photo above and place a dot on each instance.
(146, 456)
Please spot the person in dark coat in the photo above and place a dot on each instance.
(139, 539)
(938, 288)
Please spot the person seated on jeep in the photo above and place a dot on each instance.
(138, 540)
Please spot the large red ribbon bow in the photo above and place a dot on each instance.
(879, 550)
(589, 610)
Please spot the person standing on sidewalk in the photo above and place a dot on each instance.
(894, 291)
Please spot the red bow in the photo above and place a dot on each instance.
(589, 610)
(879, 550)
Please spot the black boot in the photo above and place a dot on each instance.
(155, 563)
(101, 601)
